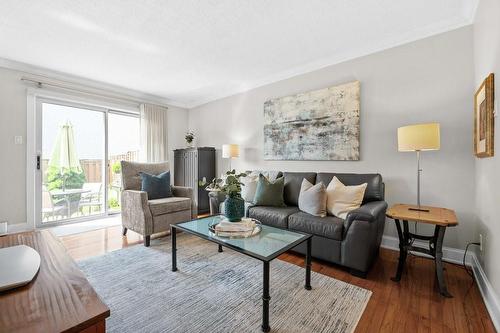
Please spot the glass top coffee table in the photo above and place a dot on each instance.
(265, 246)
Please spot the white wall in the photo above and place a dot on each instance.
(13, 157)
(424, 81)
(487, 60)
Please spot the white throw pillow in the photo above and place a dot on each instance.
(341, 199)
(312, 198)
(249, 187)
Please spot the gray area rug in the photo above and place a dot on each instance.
(215, 292)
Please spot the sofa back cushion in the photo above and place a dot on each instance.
(293, 182)
(131, 180)
(374, 190)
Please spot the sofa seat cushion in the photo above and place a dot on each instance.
(273, 216)
(328, 227)
(169, 205)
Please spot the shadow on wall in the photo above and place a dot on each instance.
(251, 155)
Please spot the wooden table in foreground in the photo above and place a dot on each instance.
(59, 299)
(441, 218)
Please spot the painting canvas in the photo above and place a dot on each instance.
(483, 119)
(316, 125)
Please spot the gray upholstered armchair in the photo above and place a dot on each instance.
(148, 217)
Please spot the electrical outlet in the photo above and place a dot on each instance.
(481, 242)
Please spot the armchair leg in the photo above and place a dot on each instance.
(124, 231)
(147, 241)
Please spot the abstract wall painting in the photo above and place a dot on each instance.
(320, 125)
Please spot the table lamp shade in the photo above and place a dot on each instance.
(230, 150)
(419, 137)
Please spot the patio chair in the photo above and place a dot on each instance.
(92, 198)
(148, 217)
(49, 208)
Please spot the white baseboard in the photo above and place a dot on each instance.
(452, 255)
(18, 227)
(490, 298)
(455, 256)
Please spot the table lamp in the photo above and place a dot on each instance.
(417, 138)
(230, 151)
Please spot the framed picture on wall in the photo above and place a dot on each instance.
(484, 126)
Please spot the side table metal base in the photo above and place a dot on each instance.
(435, 250)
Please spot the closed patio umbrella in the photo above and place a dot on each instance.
(64, 156)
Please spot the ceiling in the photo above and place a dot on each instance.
(191, 52)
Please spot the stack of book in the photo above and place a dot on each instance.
(244, 228)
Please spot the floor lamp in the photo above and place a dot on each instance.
(230, 151)
(418, 138)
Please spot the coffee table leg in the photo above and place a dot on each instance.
(220, 248)
(174, 248)
(402, 253)
(439, 262)
(265, 299)
(308, 265)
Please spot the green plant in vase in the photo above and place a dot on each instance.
(189, 139)
(230, 186)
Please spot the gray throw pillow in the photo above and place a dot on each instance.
(269, 193)
(312, 198)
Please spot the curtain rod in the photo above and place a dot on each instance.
(41, 83)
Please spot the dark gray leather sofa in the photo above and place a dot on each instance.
(353, 242)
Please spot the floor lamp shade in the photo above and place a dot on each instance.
(419, 137)
(230, 151)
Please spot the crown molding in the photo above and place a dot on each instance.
(386, 44)
(467, 16)
(44, 74)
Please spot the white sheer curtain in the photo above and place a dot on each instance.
(153, 133)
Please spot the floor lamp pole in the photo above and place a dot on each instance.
(418, 178)
(419, 171)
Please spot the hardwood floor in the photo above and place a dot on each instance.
(413, 305)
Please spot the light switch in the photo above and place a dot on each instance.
(18, 140)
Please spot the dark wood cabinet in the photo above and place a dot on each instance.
(191, 165)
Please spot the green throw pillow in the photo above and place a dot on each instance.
(269, 193)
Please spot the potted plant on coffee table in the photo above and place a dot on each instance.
(230, 186)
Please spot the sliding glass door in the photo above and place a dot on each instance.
(123, 145)
(79, 149)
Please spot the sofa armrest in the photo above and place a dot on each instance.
(215, 197)
(182, 191)
(363, 230)
(186, 192)
(369, 212)
(135, 212)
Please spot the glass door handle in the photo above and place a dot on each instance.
(38, 162)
